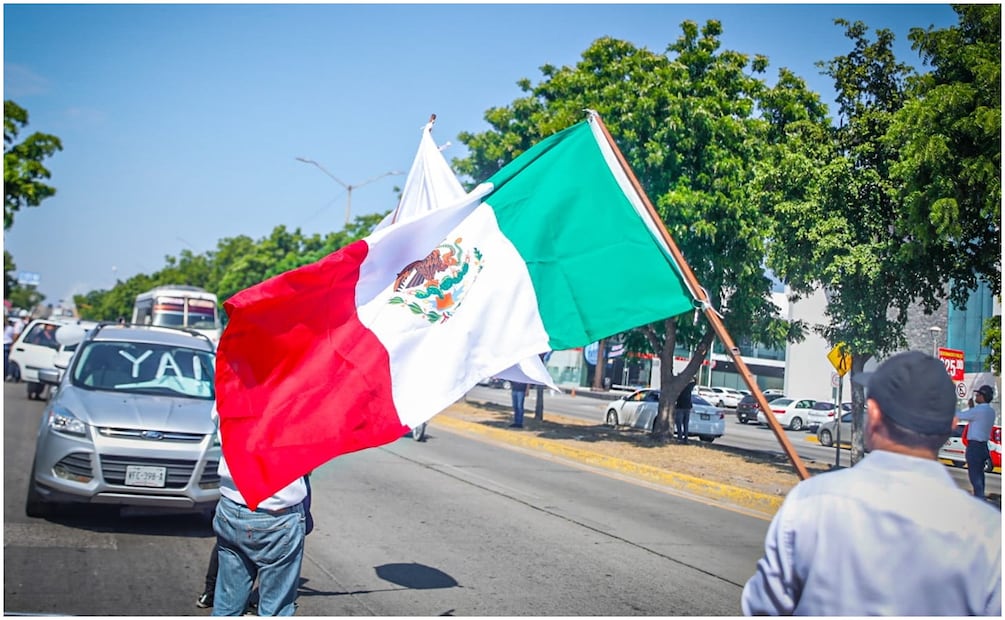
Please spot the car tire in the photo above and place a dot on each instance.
(34, 505)
(796, 424)
(825, 439)
(707, 438)
(989, 466)
(612, 419)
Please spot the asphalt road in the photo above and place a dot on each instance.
(450, 526)
(745, 436)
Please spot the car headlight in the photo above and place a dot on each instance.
(62, 421)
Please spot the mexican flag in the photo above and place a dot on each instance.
(555, 251)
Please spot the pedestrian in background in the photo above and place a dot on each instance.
(981, 418)
(682, 412)
(893, 535)
(8, 342)
(267, 543)
(519, 393)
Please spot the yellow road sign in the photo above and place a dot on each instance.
(840, 361)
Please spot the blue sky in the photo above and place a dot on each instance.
(181, 123)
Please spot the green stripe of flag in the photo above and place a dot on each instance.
(596, 268)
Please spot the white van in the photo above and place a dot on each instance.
(180, 306)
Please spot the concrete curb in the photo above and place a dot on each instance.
(759, 504)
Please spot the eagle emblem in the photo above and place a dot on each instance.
(434, 286)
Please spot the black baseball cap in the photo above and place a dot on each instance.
(987, 392)
(914, 390)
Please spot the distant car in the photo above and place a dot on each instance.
(827, 434)
(495, 382)
(726, 397)
(746, 409)
(823, 411)
(130, 424)
(38, 347)
(791, 413)
(640, 409)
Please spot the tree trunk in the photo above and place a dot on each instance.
(857, 410)
(670, 384)
(539, 403)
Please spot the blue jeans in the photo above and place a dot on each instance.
(977, 454)
(518, 397)
(260, 543)
(681, 420)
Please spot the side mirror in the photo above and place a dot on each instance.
(49, 376)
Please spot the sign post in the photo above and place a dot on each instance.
(841, 361)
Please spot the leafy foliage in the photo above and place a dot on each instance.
(949, 135)
(23, 171)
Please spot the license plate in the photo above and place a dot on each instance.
(143, 476)
(704, 416)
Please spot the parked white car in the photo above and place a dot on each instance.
(791, 413)
(640, 409)
(720, 396)
(821, 412)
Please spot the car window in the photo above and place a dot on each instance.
(43, 334)
(821, 406)
(698, 400)
(636, 397)
(846, 418)
(803, 404)
(145, 368)
(781, 402)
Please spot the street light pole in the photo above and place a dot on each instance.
(935, 330)
(348, 187)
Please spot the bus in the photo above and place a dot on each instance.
(179, 306)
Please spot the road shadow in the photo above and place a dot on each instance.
(406, 576)
(132, 520)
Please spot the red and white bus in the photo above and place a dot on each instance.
(180, 306)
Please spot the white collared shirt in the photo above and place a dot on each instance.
(892, 535)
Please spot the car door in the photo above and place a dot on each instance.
(35, 348)
(644, 409)
(630, 408)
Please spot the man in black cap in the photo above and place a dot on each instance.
(981, 418)
(893, 535)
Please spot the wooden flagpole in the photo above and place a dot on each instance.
(710, 313)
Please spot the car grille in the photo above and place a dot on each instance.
(210, 477)
(150, 435)
(113, 469)
(77, 464)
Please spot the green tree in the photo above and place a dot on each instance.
(19, 296)
(993, 340)
(847, 230)
(949, 135)
(23, 171)
(687, 122)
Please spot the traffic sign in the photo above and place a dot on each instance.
(961, 390)
(840, 359)
(835, 379)
(953, 359)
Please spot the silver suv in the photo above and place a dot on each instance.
(130, 423)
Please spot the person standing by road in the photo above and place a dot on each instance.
(267, 542)
(892, 535)
(981, 418)
(8, 342)
(682, 412)
(519, 392)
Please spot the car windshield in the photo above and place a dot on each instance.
(145, 368)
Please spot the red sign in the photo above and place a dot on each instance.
(953, 359)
